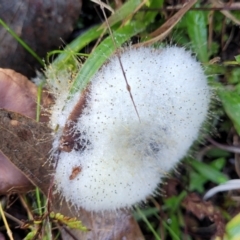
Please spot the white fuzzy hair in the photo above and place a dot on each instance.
(124, 158)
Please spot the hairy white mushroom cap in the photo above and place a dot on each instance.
(123, 157)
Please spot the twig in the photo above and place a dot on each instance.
(9, 232)
(225, 147)
(119, 59)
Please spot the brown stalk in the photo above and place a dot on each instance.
(166, 28)
(69, 137)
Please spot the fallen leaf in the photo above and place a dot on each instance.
(39, 23)
(202, 209)
(27, 143)
(17, 94)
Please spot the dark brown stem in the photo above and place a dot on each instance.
(69, 136)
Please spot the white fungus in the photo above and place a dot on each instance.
(123, 158)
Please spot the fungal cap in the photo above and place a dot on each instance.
(122, 159)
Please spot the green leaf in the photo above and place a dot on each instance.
(209, 172)
(197, 182)
(237, 58)
(148, 212)
(174, 235)
(174, 202)
(233, 229)
(173, 223)
(197, 31)
(217, 153)
(231, 104)
(72, 223)
(150, 15)
(234, 76)
(218, 164)
(31, 235)
(149, 225)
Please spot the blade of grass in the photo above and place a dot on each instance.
(75, 46)
(38, 112)
(92, 34)
(39, 97)
(39, 203)
(25, 45)
(128, 8)
(209, 172)
(173, 234)
(148, 224)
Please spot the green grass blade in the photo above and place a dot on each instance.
(124, 11)
(67, 56)
(173, 234)
(209, 172)
(25, 45)
(39, 202)
(148, 224)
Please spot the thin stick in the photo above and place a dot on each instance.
(119, 59)
(9, 232)
(228, 148)
(9, 216)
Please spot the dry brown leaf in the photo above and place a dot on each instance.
(202, 209)
(27, 144)
(19, 183)
(40, 23)
(17, 94)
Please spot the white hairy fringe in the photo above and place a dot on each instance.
(124, 158)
